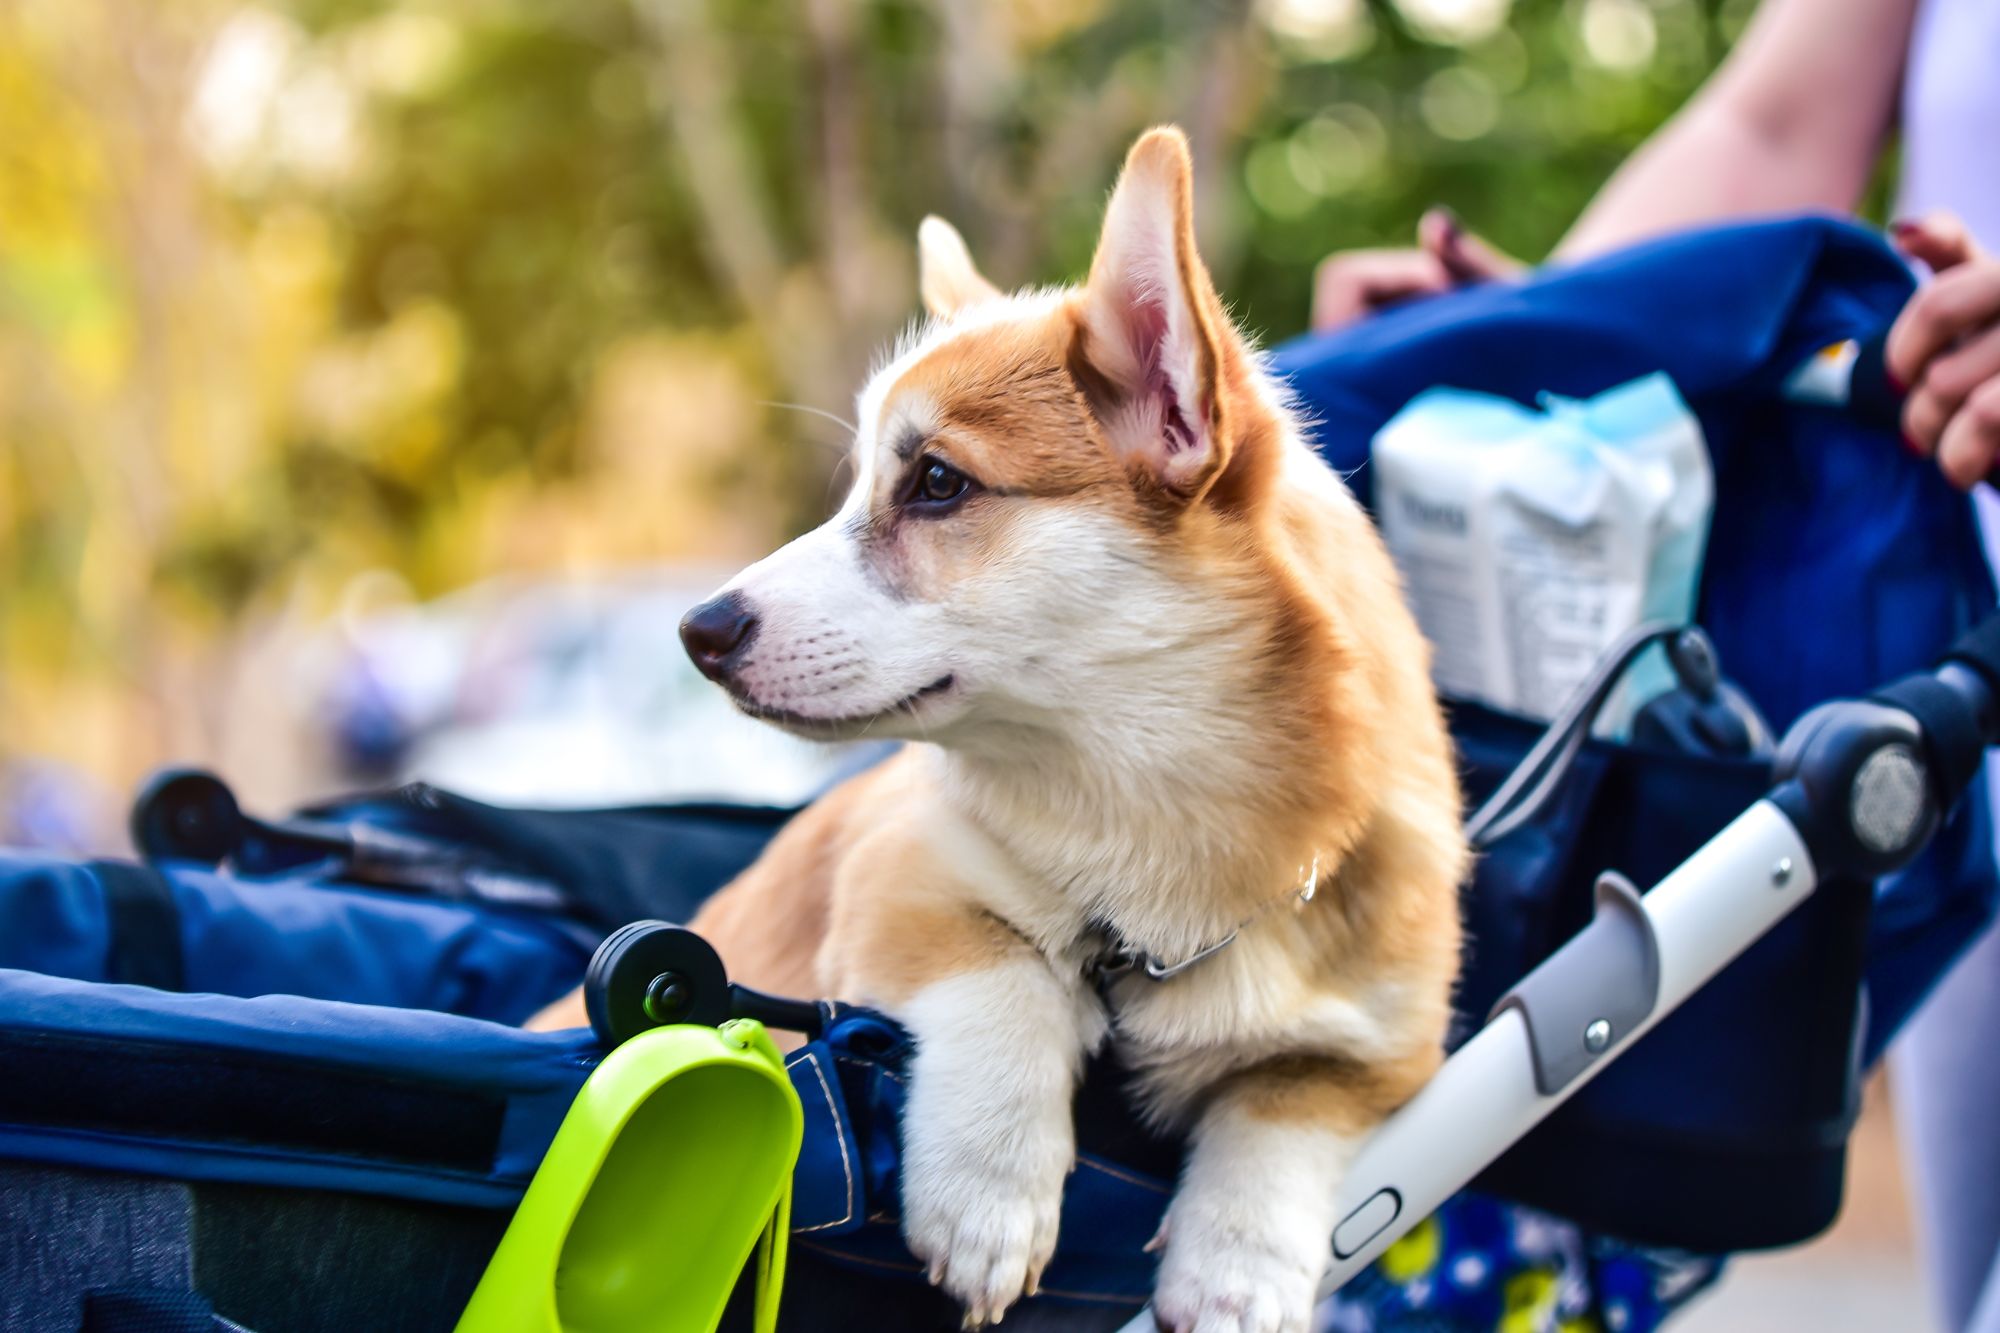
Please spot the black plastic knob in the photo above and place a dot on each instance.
(186, 814)
(649, 974)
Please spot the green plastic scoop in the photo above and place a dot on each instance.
(674, 1160)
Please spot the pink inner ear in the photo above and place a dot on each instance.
(1180, 435)
(1146, 326)
(1145, 319)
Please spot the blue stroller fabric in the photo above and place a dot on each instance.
(341, 1038)
(1836, 561)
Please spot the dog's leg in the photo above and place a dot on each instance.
(1248, 1235)
(988, 1134)
(1000, 1038)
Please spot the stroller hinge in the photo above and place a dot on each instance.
(1592, 994)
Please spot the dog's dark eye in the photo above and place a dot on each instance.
(938, 485)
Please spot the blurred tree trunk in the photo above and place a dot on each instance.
(694, 72)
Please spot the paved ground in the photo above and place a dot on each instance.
(1861, 1277)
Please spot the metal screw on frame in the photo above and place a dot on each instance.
(1597, 1036)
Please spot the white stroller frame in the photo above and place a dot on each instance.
(1861, 786)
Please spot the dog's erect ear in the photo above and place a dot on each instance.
(945, 273)
(1151, 342)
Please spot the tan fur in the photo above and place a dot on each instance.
(1308, 732)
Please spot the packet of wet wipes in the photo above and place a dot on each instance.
(1531, 538)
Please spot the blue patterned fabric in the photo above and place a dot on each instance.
(1478, 1263)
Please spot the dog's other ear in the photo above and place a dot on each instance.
(1152, 328)
(945, 273)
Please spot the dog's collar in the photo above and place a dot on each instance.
(1119, 960)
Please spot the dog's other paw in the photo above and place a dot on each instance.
(985, 1230)
(1217, 1279)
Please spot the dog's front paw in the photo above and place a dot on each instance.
(985, 1228)
(1230, 1279)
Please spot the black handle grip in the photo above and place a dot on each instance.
(1979, 648)
(775, 1011)
(1972, 667)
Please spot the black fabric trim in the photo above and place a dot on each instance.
(145, 926)
(1679, 1198)
(194, 1094)
(146, 1310)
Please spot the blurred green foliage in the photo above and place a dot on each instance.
(291, 294)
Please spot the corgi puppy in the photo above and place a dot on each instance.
(1161, 691)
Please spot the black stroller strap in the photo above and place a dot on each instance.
(1534, 781)
(1540, 773)
(145, 926)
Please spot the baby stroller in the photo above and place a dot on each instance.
(267, 1080)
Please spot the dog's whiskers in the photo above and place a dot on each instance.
(837, 420)
(909, 708)
(836, 479)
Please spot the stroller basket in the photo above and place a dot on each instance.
(345, 1046)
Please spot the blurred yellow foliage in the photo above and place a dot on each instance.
(299, 297)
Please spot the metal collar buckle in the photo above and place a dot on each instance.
(1125, 962)
(1120, 962)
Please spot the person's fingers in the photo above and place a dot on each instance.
(1466, 257)
(1357, 283)
(1924, 418)
(1953, 305)
(1971, 442)
(1939, 240)
(1947, 382)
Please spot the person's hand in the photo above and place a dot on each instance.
(1356, 283)
(1945, 350)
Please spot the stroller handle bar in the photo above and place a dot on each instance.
(1861, 787)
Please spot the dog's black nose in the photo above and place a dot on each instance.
(716, 631)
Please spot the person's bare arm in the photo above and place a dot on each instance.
(1793, 119)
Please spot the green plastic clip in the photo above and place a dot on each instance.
(674, 1161)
